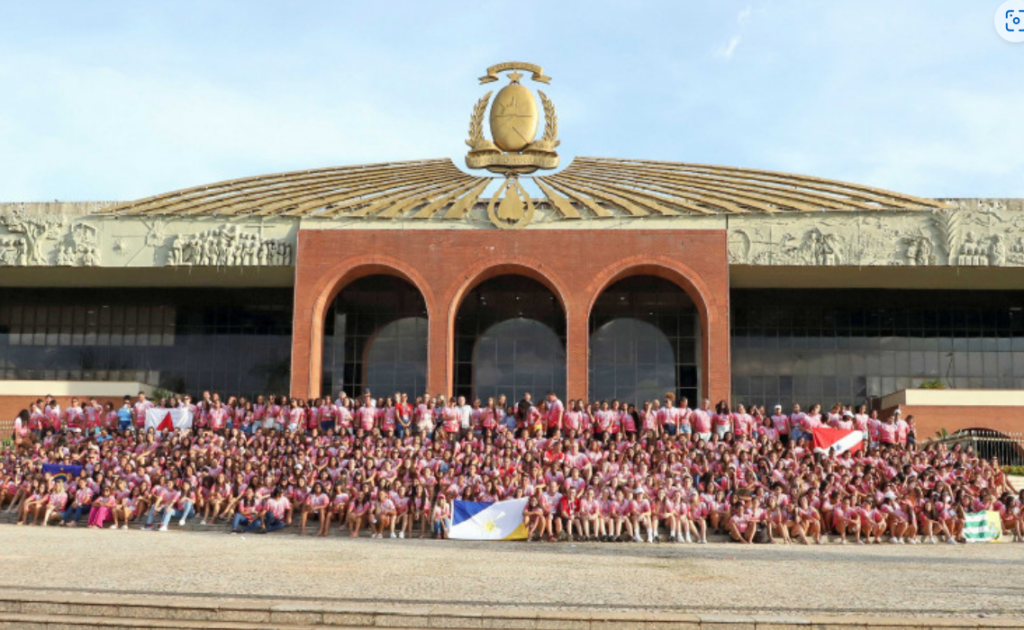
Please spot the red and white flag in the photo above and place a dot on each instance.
(168, 419)
(839, 440)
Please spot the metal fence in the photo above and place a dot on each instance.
(1008, 447)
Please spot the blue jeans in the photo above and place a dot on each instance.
(72, 514)
(168, 513)
(240, 521)
(670, 429)
(438, 529)
(272, 523)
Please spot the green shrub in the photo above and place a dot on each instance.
(1017, 471)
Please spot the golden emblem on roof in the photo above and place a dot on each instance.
(514, 120)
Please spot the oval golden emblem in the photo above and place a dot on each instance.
(514, 118)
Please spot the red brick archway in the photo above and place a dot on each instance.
(445, 264)
(714, 366)
(309, 323)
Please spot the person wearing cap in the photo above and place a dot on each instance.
(844, 421)
(781, 423)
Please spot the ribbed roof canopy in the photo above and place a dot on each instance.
(587, 188)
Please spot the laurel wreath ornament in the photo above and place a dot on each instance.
(476, 122)
(550, 120)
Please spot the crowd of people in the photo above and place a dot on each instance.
(600, 471)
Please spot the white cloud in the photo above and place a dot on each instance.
(726, 52)
(744, 14)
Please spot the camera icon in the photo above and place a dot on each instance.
(1013, 21)
(1009, 21)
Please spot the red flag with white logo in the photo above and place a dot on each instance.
(839, 440)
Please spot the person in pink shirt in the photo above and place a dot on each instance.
(217, 417)
(722, 420)
(555, 413)
(811, 421)
(74, 416)
(365, 417)
(102, 507)
(316, 502)
(742, 528)
(902, 428)
(140, 408)
(702, 421)
(887, 432)
(743, 422)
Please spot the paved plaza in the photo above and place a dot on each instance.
(972, 581)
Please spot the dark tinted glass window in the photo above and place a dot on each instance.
(234, 341)
(375, 337)
(509, 339)
(644, 341)
(825, 346)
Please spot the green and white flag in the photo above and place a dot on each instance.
(983, 527)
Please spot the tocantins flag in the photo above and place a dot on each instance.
(983, 527)
(473, 520)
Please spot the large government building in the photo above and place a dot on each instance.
(597, 278)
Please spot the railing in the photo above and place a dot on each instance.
(1008, 447)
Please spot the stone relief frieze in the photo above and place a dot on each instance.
(970, 233)
(973, 233)
(56, 240)
(228, 246)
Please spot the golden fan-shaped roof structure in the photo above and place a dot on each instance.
(587, 188)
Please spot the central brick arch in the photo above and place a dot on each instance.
(488, 269)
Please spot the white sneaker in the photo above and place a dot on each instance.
(914, 541)
(953, 541)
(114, 526)
(163, 528)
(203, 522)
(842, 542)
(393, 535)
(893, 540)
(181, 523)
(931, 540)
(860, 542)
(401, 534)
(688, 539)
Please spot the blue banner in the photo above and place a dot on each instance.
(64, 472)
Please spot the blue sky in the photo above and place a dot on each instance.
(120, 100)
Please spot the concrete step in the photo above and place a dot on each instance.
(49, 622)
(79, 610)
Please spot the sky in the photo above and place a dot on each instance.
(121, 100)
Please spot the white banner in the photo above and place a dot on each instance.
(168, 419)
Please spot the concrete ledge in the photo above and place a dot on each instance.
(28, 609)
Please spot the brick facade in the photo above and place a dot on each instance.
(577, 265)
(930, 419)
